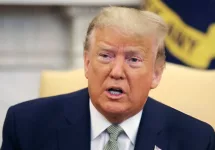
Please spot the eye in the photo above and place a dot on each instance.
(105, 57)
(135, 61)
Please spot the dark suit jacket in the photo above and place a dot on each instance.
(63, 123)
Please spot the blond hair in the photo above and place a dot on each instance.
(132, 20)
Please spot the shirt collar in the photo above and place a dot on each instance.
(99, 124)
(131, 125)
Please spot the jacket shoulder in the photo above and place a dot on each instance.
(185, 129)
(177, 119)
(42, 107)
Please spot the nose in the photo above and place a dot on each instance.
(117, 69)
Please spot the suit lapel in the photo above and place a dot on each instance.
(150, 133)
(76, 134)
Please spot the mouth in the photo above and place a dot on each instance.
(115, 92)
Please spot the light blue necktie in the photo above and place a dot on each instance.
(114, 131)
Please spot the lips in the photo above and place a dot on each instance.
(115, 92)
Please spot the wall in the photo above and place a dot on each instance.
(31, 39)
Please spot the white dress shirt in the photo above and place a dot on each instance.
(99, 137)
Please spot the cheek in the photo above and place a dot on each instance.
(140, 84)
(97, 73)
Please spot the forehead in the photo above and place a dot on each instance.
(115, 37)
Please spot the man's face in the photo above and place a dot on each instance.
(120, 72)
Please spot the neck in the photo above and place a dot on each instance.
(117, 118)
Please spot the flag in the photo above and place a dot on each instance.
(191, 36)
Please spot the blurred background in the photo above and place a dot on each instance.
(37, 35)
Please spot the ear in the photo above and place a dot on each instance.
(157, 74)
(86, 62)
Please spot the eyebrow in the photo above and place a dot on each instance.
(127, 48)
(105, 46)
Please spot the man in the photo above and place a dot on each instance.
(123, 59)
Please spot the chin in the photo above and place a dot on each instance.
(115, 115)
(115, 109)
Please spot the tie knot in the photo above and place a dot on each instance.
(114, 131)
